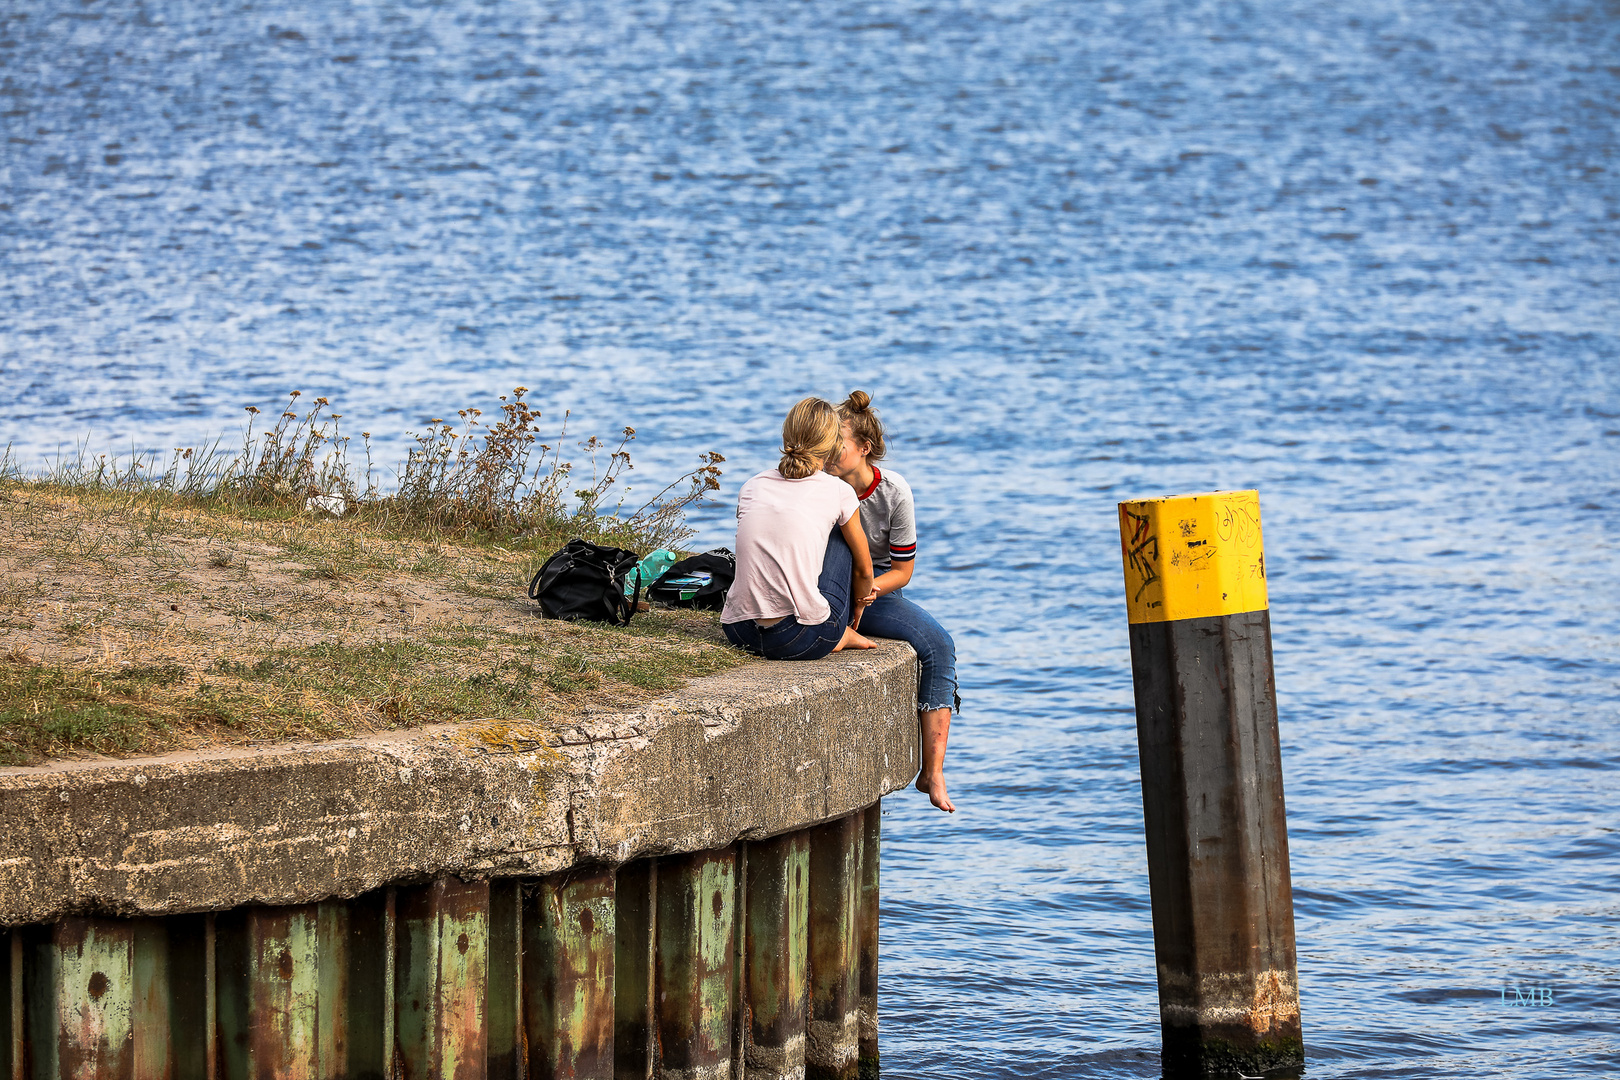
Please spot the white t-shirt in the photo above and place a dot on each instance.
(782, 530)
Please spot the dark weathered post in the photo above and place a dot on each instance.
(776, 982)
(635, 906)
(84, 976)
(504, 1018)
(440, 976)
(283, 990)
(1212, 795)
(871, 857)
(568, 962)
(833, 1048)
(696, 962)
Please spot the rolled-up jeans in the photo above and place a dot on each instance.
(793, 640)
(893, 616)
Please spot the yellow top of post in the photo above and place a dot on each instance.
(1191, 556)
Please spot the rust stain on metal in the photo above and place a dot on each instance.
(88, 968)
(871, 856)
(440, 1032)
(751, 964)
(832, 1051)
(776, 985)
(695, 964)
(570, 968)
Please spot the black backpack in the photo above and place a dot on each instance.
(586, 581)
(720, 564)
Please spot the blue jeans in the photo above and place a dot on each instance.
(791, 639)
(893, 616)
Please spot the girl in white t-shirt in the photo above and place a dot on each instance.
(802, 559)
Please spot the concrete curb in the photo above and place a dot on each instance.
(761, 750)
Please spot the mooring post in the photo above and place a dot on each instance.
(1212, 794)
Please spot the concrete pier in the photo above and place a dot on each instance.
(686, 892)
(1212, 795)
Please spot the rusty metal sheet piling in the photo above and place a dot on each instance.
(283, 991)
(172, 988)
(569, 977)
(871, 852)
(833, 1048)
(440, 976)
(504, 1003)
(11, 1017)
(739, 963)
(1212, 795)
(776, 986)
(634, 919)
(82, 988)
(755, 962)
(369, 1023)
(151, 1007)
(694, 957)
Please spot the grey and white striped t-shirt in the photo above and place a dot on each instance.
(888, 519)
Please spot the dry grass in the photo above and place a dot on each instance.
(138, 618)
(470, 480)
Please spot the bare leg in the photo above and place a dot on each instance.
(852, 640)
(936, 731)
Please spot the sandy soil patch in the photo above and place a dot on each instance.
(134, 623)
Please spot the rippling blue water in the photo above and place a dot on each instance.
(1362, 257)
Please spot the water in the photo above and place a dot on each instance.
(1360, 257)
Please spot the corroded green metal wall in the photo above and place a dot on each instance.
(755, 962)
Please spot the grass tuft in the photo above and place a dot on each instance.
(466, 479)
(572, 673)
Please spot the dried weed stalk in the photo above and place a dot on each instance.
(470, 479)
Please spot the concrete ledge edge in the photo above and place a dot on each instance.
(756, 751)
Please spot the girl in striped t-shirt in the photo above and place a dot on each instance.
(890, 522)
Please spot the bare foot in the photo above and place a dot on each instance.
(852, 640)
(934, 788)
(935, 731)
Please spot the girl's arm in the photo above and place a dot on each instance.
(862, 585)
(898, 576)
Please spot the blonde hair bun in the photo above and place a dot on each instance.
(811, 435)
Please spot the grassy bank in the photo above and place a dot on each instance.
(184, 607)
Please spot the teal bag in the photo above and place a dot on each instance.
(652, 568)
